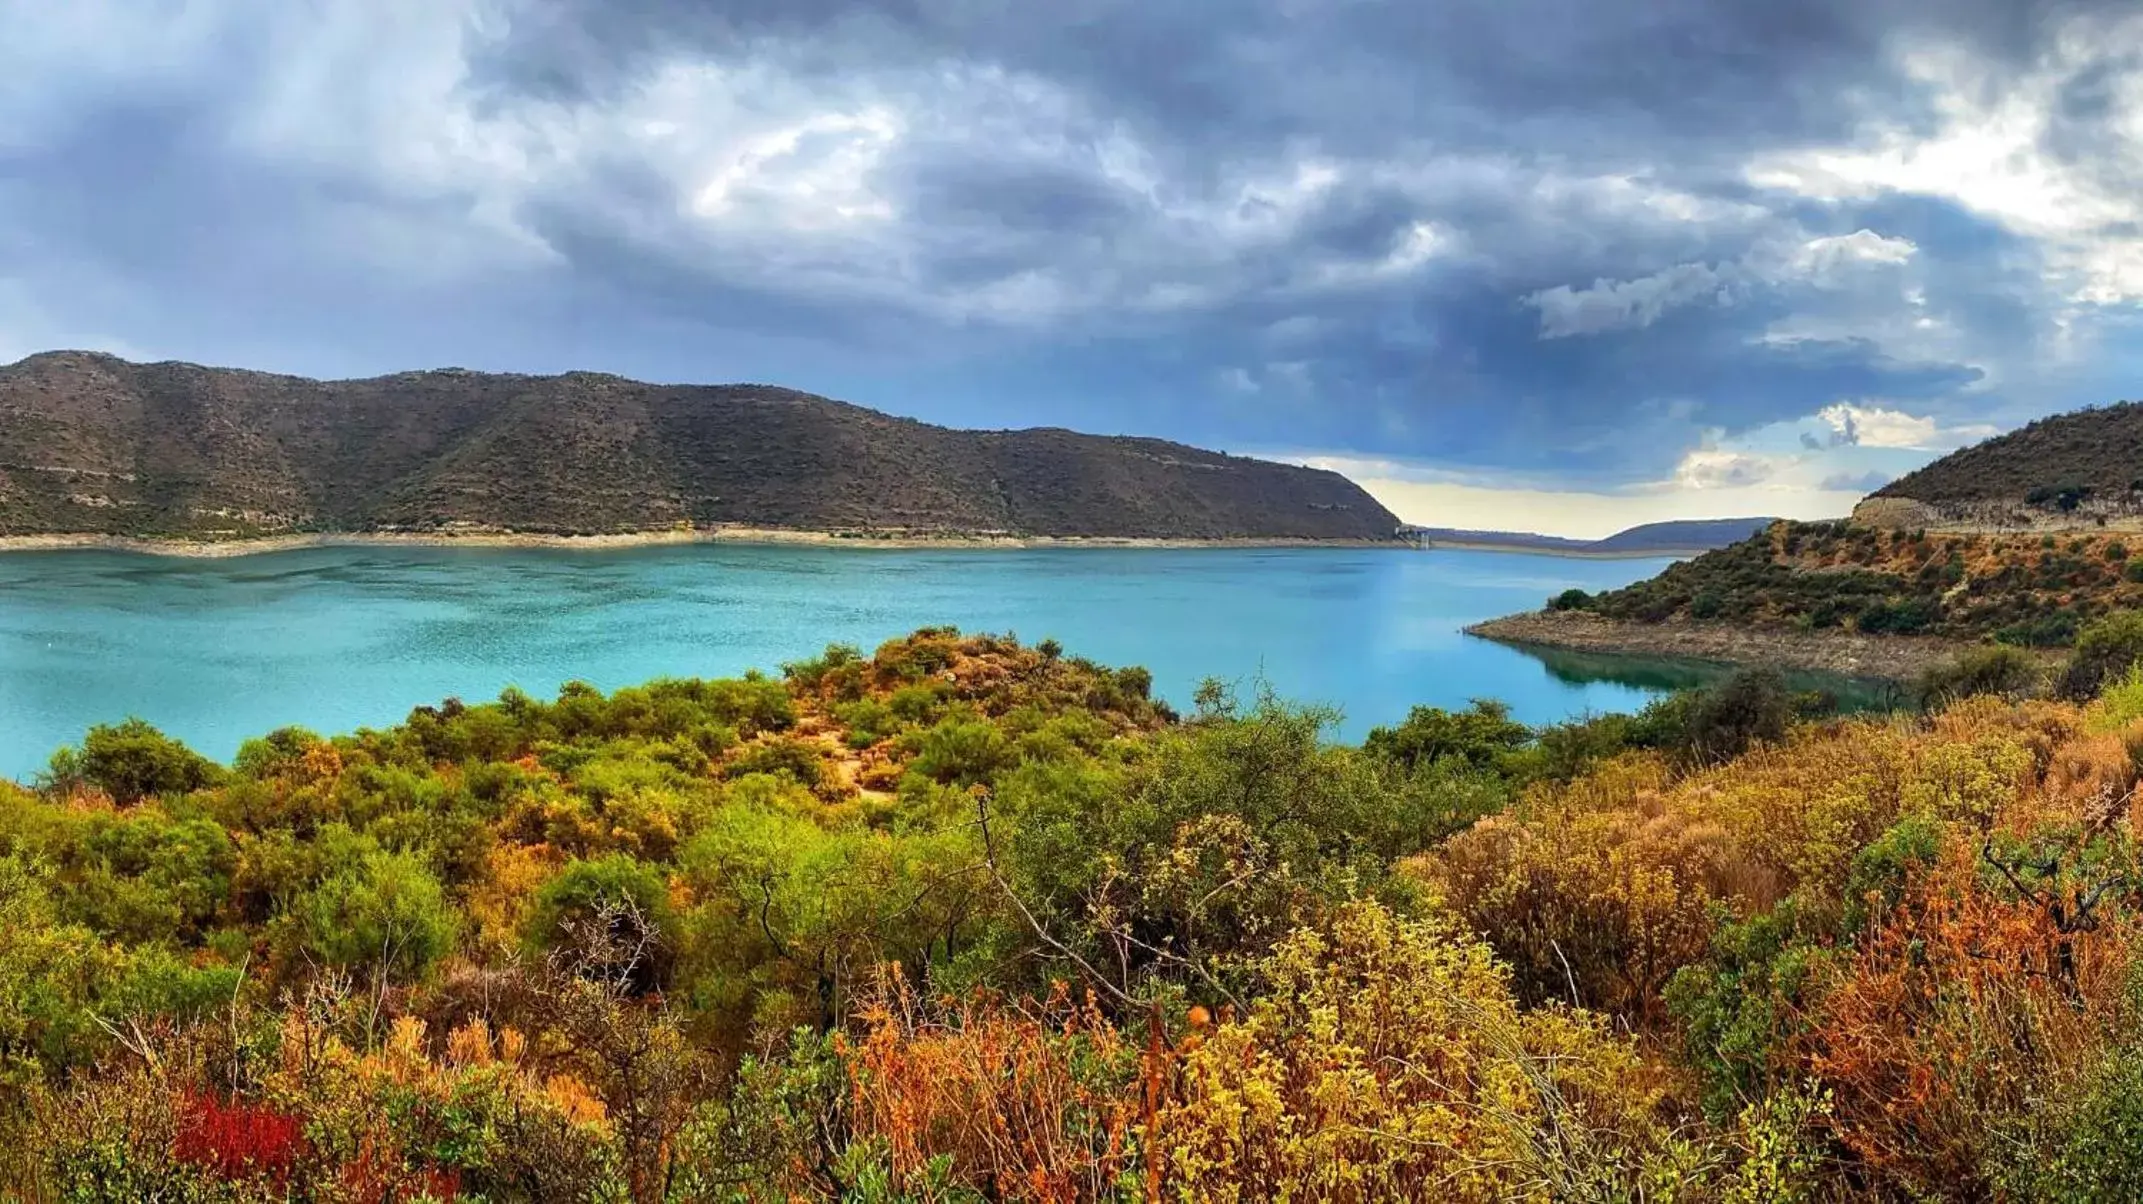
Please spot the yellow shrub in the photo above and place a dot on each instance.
(1391, 1061)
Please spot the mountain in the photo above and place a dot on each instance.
(94, 444)
(2068, 470)
(1688, 535)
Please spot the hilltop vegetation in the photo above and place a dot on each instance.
(90, 444)
(2033, 590)
(2088, 464)
(971, 920)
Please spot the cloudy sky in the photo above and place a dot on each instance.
(1552, 264)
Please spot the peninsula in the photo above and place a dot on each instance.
(172, 456)
(2025, 540)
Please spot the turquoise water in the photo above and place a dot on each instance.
(215, 651)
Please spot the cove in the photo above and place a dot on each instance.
(217, 651)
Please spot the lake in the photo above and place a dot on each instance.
(215, 651)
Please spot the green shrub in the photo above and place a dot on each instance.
(1906, 617)
(1999, 670)
(868, 721)
(2086, 1147)
(2046, 631)
(963, 752)
(798, 759)
(1721, 721)
(1478, 735)
(1571, 599)
(132, 761)
(2104, 652)
(622, 889)
(386, 913)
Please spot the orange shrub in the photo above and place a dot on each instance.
(1027, 1102)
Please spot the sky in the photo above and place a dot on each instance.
(1554, 265)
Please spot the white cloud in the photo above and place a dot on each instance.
(1829, 262)
(1712, 468)
(1626, 304)
(1987, 152)
(1869, 426)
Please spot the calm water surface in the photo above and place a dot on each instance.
(215, 651)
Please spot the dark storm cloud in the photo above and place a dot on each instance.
(1522, 234)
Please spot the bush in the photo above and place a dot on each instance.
(798, 759)
(1478, 735)
(963, 752)
(619, 898)
(132, 761)
(2104, 652)
(1906, 617)
(386, 913)
(2089, 1147)
(1999, 670)
(1571, 599)
(2046, 631)
(1753, 705)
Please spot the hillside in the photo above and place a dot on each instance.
(2081, 468)
(92, 444)
(2021, 589)
(967, 920)
(1690, 533)
(2024, 539)
(1678, 536)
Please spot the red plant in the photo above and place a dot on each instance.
(439, 1183)
(237, 1140)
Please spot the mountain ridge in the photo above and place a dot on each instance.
(1673, 535)
(95, 445)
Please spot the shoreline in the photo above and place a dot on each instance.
(1457, 545)
(216, 549)
(1844, 653)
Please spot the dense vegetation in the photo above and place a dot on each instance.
(94, 444)
(2032, 590)
(971, 920)
(2061, 463)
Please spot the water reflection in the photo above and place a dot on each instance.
(1855, 695)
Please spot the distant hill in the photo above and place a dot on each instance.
(1692, 533)
(1687, 535)
(2068, 470)
(92, 444)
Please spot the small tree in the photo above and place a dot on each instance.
(132, 761)
(387, 914)
(2104, 651)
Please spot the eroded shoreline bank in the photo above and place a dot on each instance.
(1848, 654)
